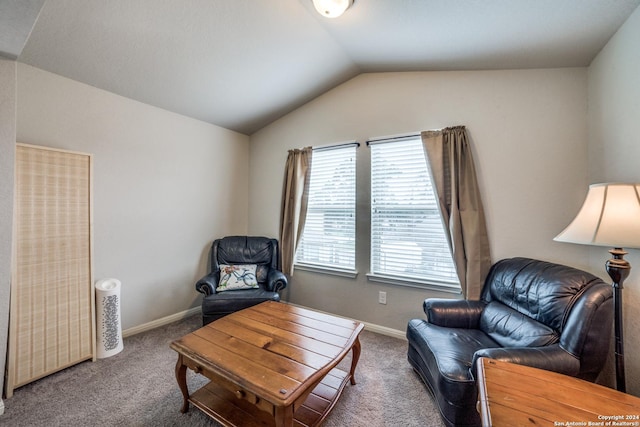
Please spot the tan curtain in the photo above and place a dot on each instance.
(453, 172)
(294, 204)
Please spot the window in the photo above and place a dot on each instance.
(408, 244)
(328, 238)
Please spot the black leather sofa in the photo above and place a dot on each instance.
(241, 250)
(531, 312)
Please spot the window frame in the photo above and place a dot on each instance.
(333, 269)
(417, 281)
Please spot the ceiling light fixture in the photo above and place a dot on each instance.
(331, 8)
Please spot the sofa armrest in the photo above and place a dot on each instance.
(451, 313)
(550, 358)
(207, 285)
(276, 280)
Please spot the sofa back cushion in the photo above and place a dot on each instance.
(540, 290)
(510, 328)
(261, 251)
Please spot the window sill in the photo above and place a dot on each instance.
(351, 274)
(434, 286)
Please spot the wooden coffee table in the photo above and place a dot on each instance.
(271, 364)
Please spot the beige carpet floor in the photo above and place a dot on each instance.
(137, 387)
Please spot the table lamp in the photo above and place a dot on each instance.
(610, 216)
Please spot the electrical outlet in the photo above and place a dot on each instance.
(382, 297)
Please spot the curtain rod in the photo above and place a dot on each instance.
(392, 138)
(332, 146)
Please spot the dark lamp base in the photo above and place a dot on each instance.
(618, 269)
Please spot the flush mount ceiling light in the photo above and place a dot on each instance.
(331, 8)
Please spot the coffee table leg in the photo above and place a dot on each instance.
(284, 416)
(181, 376)
(355, 356)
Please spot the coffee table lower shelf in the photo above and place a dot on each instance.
(226, 408)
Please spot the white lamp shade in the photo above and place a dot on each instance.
(331, 8)
(610, 216)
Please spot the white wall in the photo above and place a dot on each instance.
(7, 156)
(164, 186)
(614, 156)
(528, 131)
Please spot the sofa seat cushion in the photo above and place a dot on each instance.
(443, 357)
(510, 328)
(229, 302)
(448, 353)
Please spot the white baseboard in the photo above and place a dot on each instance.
(395, 333)
(1, 407)
(160, 322)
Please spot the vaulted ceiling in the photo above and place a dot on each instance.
(241, 64)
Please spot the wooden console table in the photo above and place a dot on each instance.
(270, 364)
(515, 395)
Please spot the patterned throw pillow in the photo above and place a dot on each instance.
(233, 277)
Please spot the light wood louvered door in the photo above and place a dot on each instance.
(52, 323)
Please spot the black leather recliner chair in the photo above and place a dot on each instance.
(531, 312)
(236, 250)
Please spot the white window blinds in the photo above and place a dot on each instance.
(328, 239)
(407, 235)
